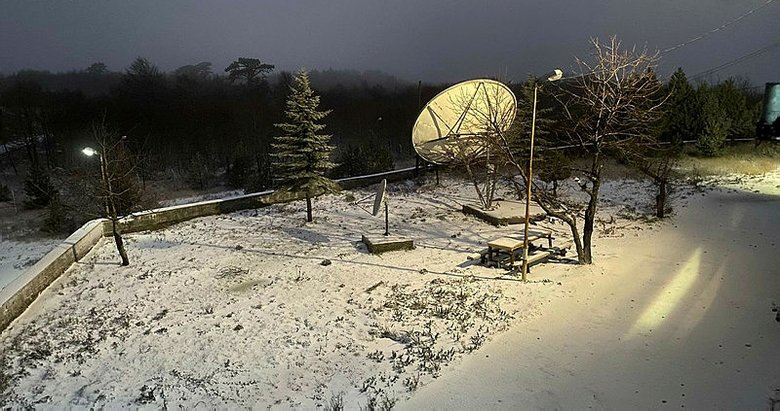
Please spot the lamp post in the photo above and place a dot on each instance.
(555, 75)
(89, 152)
(108, 203)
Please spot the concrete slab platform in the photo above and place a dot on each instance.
(505, 212)
(378, 243)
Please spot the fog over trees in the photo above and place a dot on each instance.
(206, 126)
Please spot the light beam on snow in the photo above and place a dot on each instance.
(670, 297)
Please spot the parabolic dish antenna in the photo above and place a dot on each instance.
(379, 197)
(454, 123)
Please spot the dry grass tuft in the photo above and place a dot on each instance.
(740, 159)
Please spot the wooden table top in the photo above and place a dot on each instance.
(511, 243)
(507, 243)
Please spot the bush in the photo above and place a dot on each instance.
(5, 193)
(260, 177)
(238, 172)
(363, 159)
(56, 218)
(38, 188)
(716, 126)
(199, 173)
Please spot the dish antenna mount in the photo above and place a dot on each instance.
(454, 122)
(380, 198)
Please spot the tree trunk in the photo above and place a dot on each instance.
(308, 209)
(590, 213)
(120, 244)
(660, 200)
(571, 221)
(575, 235)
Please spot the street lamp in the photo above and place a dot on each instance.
(555, 75)
(108, 203)
(89, 152)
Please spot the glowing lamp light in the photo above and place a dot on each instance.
(89, 151)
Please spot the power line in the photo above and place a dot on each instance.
(708, 33)
(737, 60)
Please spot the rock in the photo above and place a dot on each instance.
(238, 327)
(239, 247)
(326, 262)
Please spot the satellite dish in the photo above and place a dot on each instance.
(379, 197)
(451, 125)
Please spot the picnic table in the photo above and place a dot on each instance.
(511, 244)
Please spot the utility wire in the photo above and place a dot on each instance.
(737, 60)
(708, 33)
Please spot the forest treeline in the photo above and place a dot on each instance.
(199, 112)
(211, 125)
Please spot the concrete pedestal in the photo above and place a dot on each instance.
(378, 243)
(505, 212)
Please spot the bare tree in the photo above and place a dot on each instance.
(118, 178)
(477, 140)
(612, 104)
(658, 163)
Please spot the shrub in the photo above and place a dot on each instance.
(5, 193)
(716, 124)
(56, 219)
(364, 159)
(260, 178)
(237, 173)
(38, 188)
(199, 173)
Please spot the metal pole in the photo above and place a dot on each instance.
(387, 219)
(528, 194)
(106, 184)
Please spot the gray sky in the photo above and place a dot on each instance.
(430, 40)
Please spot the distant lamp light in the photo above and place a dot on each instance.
(89, 151)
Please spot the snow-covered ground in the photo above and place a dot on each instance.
(681, 317)
(18, 255)
(260, 309)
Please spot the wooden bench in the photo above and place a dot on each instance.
(537, 258)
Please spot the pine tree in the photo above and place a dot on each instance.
(716, 124)
(682, 115)
(733, 101)
(301, 156)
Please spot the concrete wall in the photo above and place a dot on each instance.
(20, 293)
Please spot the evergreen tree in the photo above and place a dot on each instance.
(681, 120)
(301, 156)
(733, 101)
(250, 70)
(39, 188)
(715, 123)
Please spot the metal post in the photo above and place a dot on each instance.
(106, 183)
(387, 219)
(528, 194)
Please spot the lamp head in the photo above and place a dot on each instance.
(555, 75)
(89, 151)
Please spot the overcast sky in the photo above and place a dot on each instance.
(430, 40)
